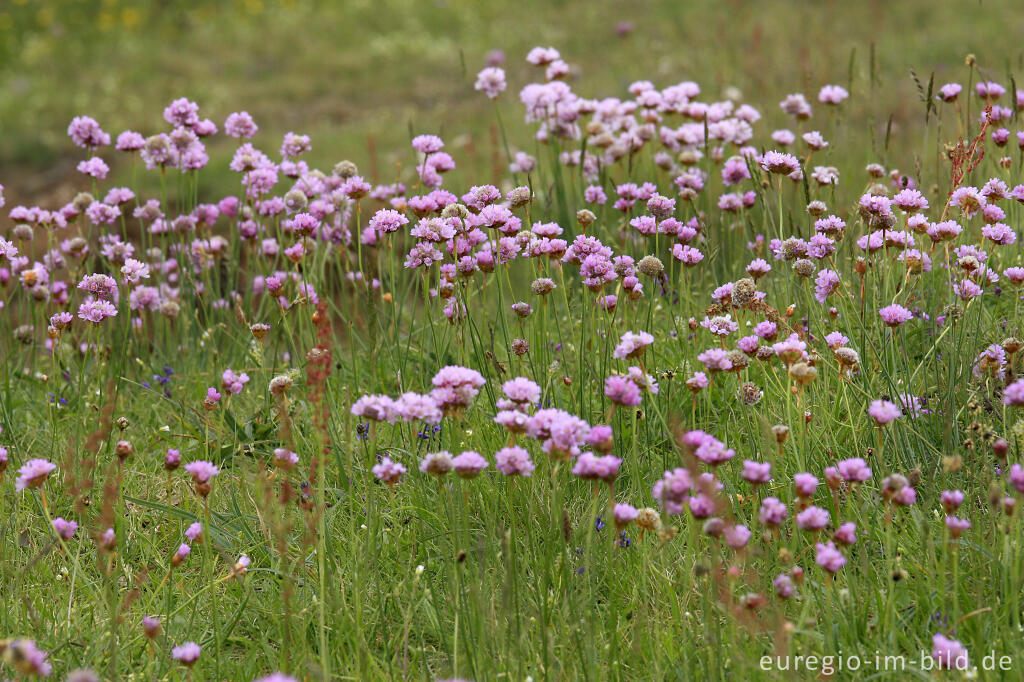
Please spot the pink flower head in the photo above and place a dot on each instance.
(828, 557)
(194, 532)
(780, 163)
(63, 528)
(805, 484)
(621, 390)
(33, 474)
(757, 472)
(96, 310)
(853, 470)
(86, 132)
(186, 654)
(437, 463)
(94, 168)
(604, 468)
(491, 81)
(884, 411)
(388, 471)
(513, 461)
(812, 518)
(469, 464)
(894, 315)
(202, 471)
(737, 536)
(427, 144)
(632, 345)
(1014, 394)
(240, 125)
(673, 490)
(949, 92)
(832, 94)
(952, 499)
(624, 514)
(26, 657)
(846, 534)
(772, 512)
(949, 653)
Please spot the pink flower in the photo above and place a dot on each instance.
(201, 470)
(737, 536)
(828, 557)
(757, 472)
(949, 653)
(773, 511)
(427, 144)
(812, 518)
(437, 463)
(491, 81)
(805, 484)
(513, 461)
(388, 471)
(94, 167)
(883, 411)
(632, 345)
(186, 654)
(469, 464)
(894, 315)
(832, 94)
(853, 470)
(33, 474)
(846, 534)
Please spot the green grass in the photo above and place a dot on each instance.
(499, 578)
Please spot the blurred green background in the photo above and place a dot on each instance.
(359, 75)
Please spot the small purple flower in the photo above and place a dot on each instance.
(883, 411)
(828, 557)
(949, 653)
(469, 464)
(773, 511)
(894, 315)
(388, 471)
(437, 463)
(63, 528)
(33, 474)
(812, 519)
(186, 654)
(513, 461)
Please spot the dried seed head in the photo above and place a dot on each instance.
(817, 208)
(82, 201)
(585, 218)
(781, 433)
(651, 266)
(124, 449)
(750, 394)
(280, 384)
(738, 359)
(804, 267)
(519, 197)
(542, 286)
(790, 248)
(23, 232)
(649, 519)
(455, 211)
(743, 291)
(345, 170)
(296, 200)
